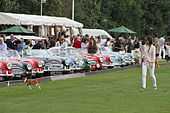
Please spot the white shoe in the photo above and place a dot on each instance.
(142, 89)
(155, 88)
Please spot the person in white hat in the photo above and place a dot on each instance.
(148, 55)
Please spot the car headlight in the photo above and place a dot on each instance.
(112, 59)
(29, 66)
(67, 62)
(76, 59)
(98, 65)
(101, 59)
(41, 64)
(81, 62)
(9, 66)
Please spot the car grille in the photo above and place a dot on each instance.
(53, 62)
(92, 62)
(17, 69)
(53, 65)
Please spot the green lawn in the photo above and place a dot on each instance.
(111, 92)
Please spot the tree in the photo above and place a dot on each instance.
(88, 12)
(54, 8)
(141, 16)
(8, 5)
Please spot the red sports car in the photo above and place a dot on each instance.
(95, 58)
(34, 66)
(5, 68)
(106, 60)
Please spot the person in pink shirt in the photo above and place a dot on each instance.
(148, 55)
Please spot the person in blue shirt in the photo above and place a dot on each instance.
(3, 46)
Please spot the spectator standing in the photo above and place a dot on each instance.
(84, 43)
(64, 43)
(129, 46)
(38, 45)
(20, 45)
(117, 47)
(162, 47)
(3, 46)
(77, 42)
(52, 43)
(148, 56)
(107, 42)
(98, 41)
(92, 46)
(27, 48)
(11, 42)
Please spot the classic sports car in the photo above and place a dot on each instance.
(106, 60)
(5, 68)
(71, 57)
(128, 58)
(33, 67)
(51, 64)
(18, 68)
(115, 57)
(97, 65)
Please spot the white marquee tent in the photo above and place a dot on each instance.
(36, 20)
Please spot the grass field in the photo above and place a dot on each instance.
(111, 92)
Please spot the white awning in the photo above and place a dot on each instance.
(7, 20)
(24, 19)
(96, 32)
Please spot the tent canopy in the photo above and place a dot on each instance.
(17, 30)
(24, 19)
(121, 29)
(5, 19)
(96, 32)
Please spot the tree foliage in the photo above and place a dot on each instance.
(141, 16)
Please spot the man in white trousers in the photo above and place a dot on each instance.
(148, 55)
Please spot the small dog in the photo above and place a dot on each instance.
(30, 83)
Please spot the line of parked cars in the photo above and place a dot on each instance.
(57, 60)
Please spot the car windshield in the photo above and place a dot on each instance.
(13, 54)
(105, 50)
(3, 56)
(54, 51)
(37, 53)
(10, 54)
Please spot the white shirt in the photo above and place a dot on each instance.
(64, 44)
(84, 45)
(148, 54)
(162, 41)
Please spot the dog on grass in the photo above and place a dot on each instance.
(32, 83)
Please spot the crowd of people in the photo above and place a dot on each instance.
(91, 43)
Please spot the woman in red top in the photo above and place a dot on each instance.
(77, 42)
